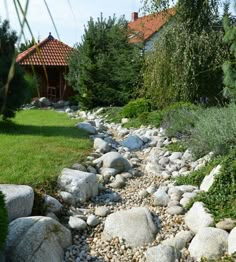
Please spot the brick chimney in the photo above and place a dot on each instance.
(134, 16)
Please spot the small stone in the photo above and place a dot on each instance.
(102, 211)
(77, 223)
(226, 224)
(175, 210)
(143, 193)
(161, 198)
(92, 221)
(152, 189)
(79, 167)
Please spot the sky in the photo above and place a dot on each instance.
(69, 18)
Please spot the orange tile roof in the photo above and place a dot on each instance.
(49, 52)
(144, 27)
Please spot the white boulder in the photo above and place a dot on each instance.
(209, 179)
(161, 253)
(210, 243)
(36, 239)
(114, 160)
(198, 217)
(101, 145)
(161, 198)
(81, 185)
(232, 241)
(136, 226)
(19, 200)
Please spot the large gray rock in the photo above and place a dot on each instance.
(210, 243)
(101, 145)
(114, 160)
(87, 127)
(198, 217)
(133, 142)
(136, 226)
(36, 239)
(232, 241)
(19, 200)
(161, 253)
(209, 179)
(81, 185)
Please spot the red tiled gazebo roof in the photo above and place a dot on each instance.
(143, 28)
(49, 52)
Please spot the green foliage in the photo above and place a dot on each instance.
(104, 68)
(229, 67)
(3, 220)
(220, 199)
(196, 177)
(179, 118)
(136, 107)
(215, 131)
(33, 85)
(26, 45)
(186, 63)
(113, 114)
(176, 147)
(15, 92)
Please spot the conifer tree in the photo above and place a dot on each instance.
(14, 89)
(229, 66)
(104, 68)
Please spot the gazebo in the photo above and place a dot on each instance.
(48, 61)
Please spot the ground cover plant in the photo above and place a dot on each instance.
(220, 198)
(37, 144)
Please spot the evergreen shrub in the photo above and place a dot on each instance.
(136, 107)
(3, 221)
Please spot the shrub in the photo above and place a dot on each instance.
(104, 68)
(33, 86)
(14, 90)
(112, 114)
(214, 131)
(179, 118)
(136, 107)
(3, 220)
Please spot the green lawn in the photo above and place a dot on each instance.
(37, 144)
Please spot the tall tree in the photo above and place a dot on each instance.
(229, 66)
(13, 87)
(104, 68)
(195, 53)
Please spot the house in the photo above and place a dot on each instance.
(147, 29)
(48, 60)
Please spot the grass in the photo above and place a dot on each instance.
(37, 144)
